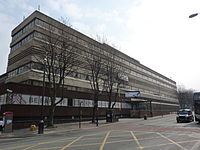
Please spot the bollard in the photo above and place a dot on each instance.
(41, 127)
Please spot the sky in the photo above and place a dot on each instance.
(158, 33)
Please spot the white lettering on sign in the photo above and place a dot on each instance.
(132, 94)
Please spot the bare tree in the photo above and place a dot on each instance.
(102, 39)
(185, 97)
(60, 58)
(95, 68)
(119, 82)
(65, 21)
(111, 77)
(111, 71)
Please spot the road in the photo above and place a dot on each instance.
(157, 133)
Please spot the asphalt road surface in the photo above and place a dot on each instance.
(157, 133)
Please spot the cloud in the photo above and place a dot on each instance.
(81, 27)
(65, 7)
(10, 19)
(158, 33)
(5, 38)
(165, 39)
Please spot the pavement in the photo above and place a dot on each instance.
(155, 133)
(21, 133)
(65, 127)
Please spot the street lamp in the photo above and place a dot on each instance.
(193, 15)
(80, 114)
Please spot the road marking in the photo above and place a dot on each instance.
(41, 143)
(88, 144)
(9, 139)
(104, 141)
(92, 138)
(143, 133)
(94, 134)
(32, 145)
(68, 145)
(176, 134)
(123, 131)
(172, 141)
(91, 144)
(188, 141)
(9, 148)
(118, 141)
(136, 140)
(150, 138)
(28, 146)
(158, 145)
(48, 148)
(125, 135)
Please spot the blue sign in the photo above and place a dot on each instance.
(132, 94)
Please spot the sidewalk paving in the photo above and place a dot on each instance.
(22, 133)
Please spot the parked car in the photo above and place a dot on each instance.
(184, 115)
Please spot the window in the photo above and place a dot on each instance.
(37, 66)
(99, 103)
(76, 102)
(22, 42)
(70, 102)
(25, 29)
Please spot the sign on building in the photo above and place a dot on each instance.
(132, 94)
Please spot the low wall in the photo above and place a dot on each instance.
(25, 115)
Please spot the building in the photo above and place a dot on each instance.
(21, 85)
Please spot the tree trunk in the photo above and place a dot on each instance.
(96, 96)
(109, 105)
(113, 105)
(51, 117)
(110, 101)
(93, 114)
(115, 99)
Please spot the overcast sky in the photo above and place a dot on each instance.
(158, 33)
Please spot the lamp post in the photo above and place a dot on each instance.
(80, 115)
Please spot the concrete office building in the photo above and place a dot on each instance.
(24, 76)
